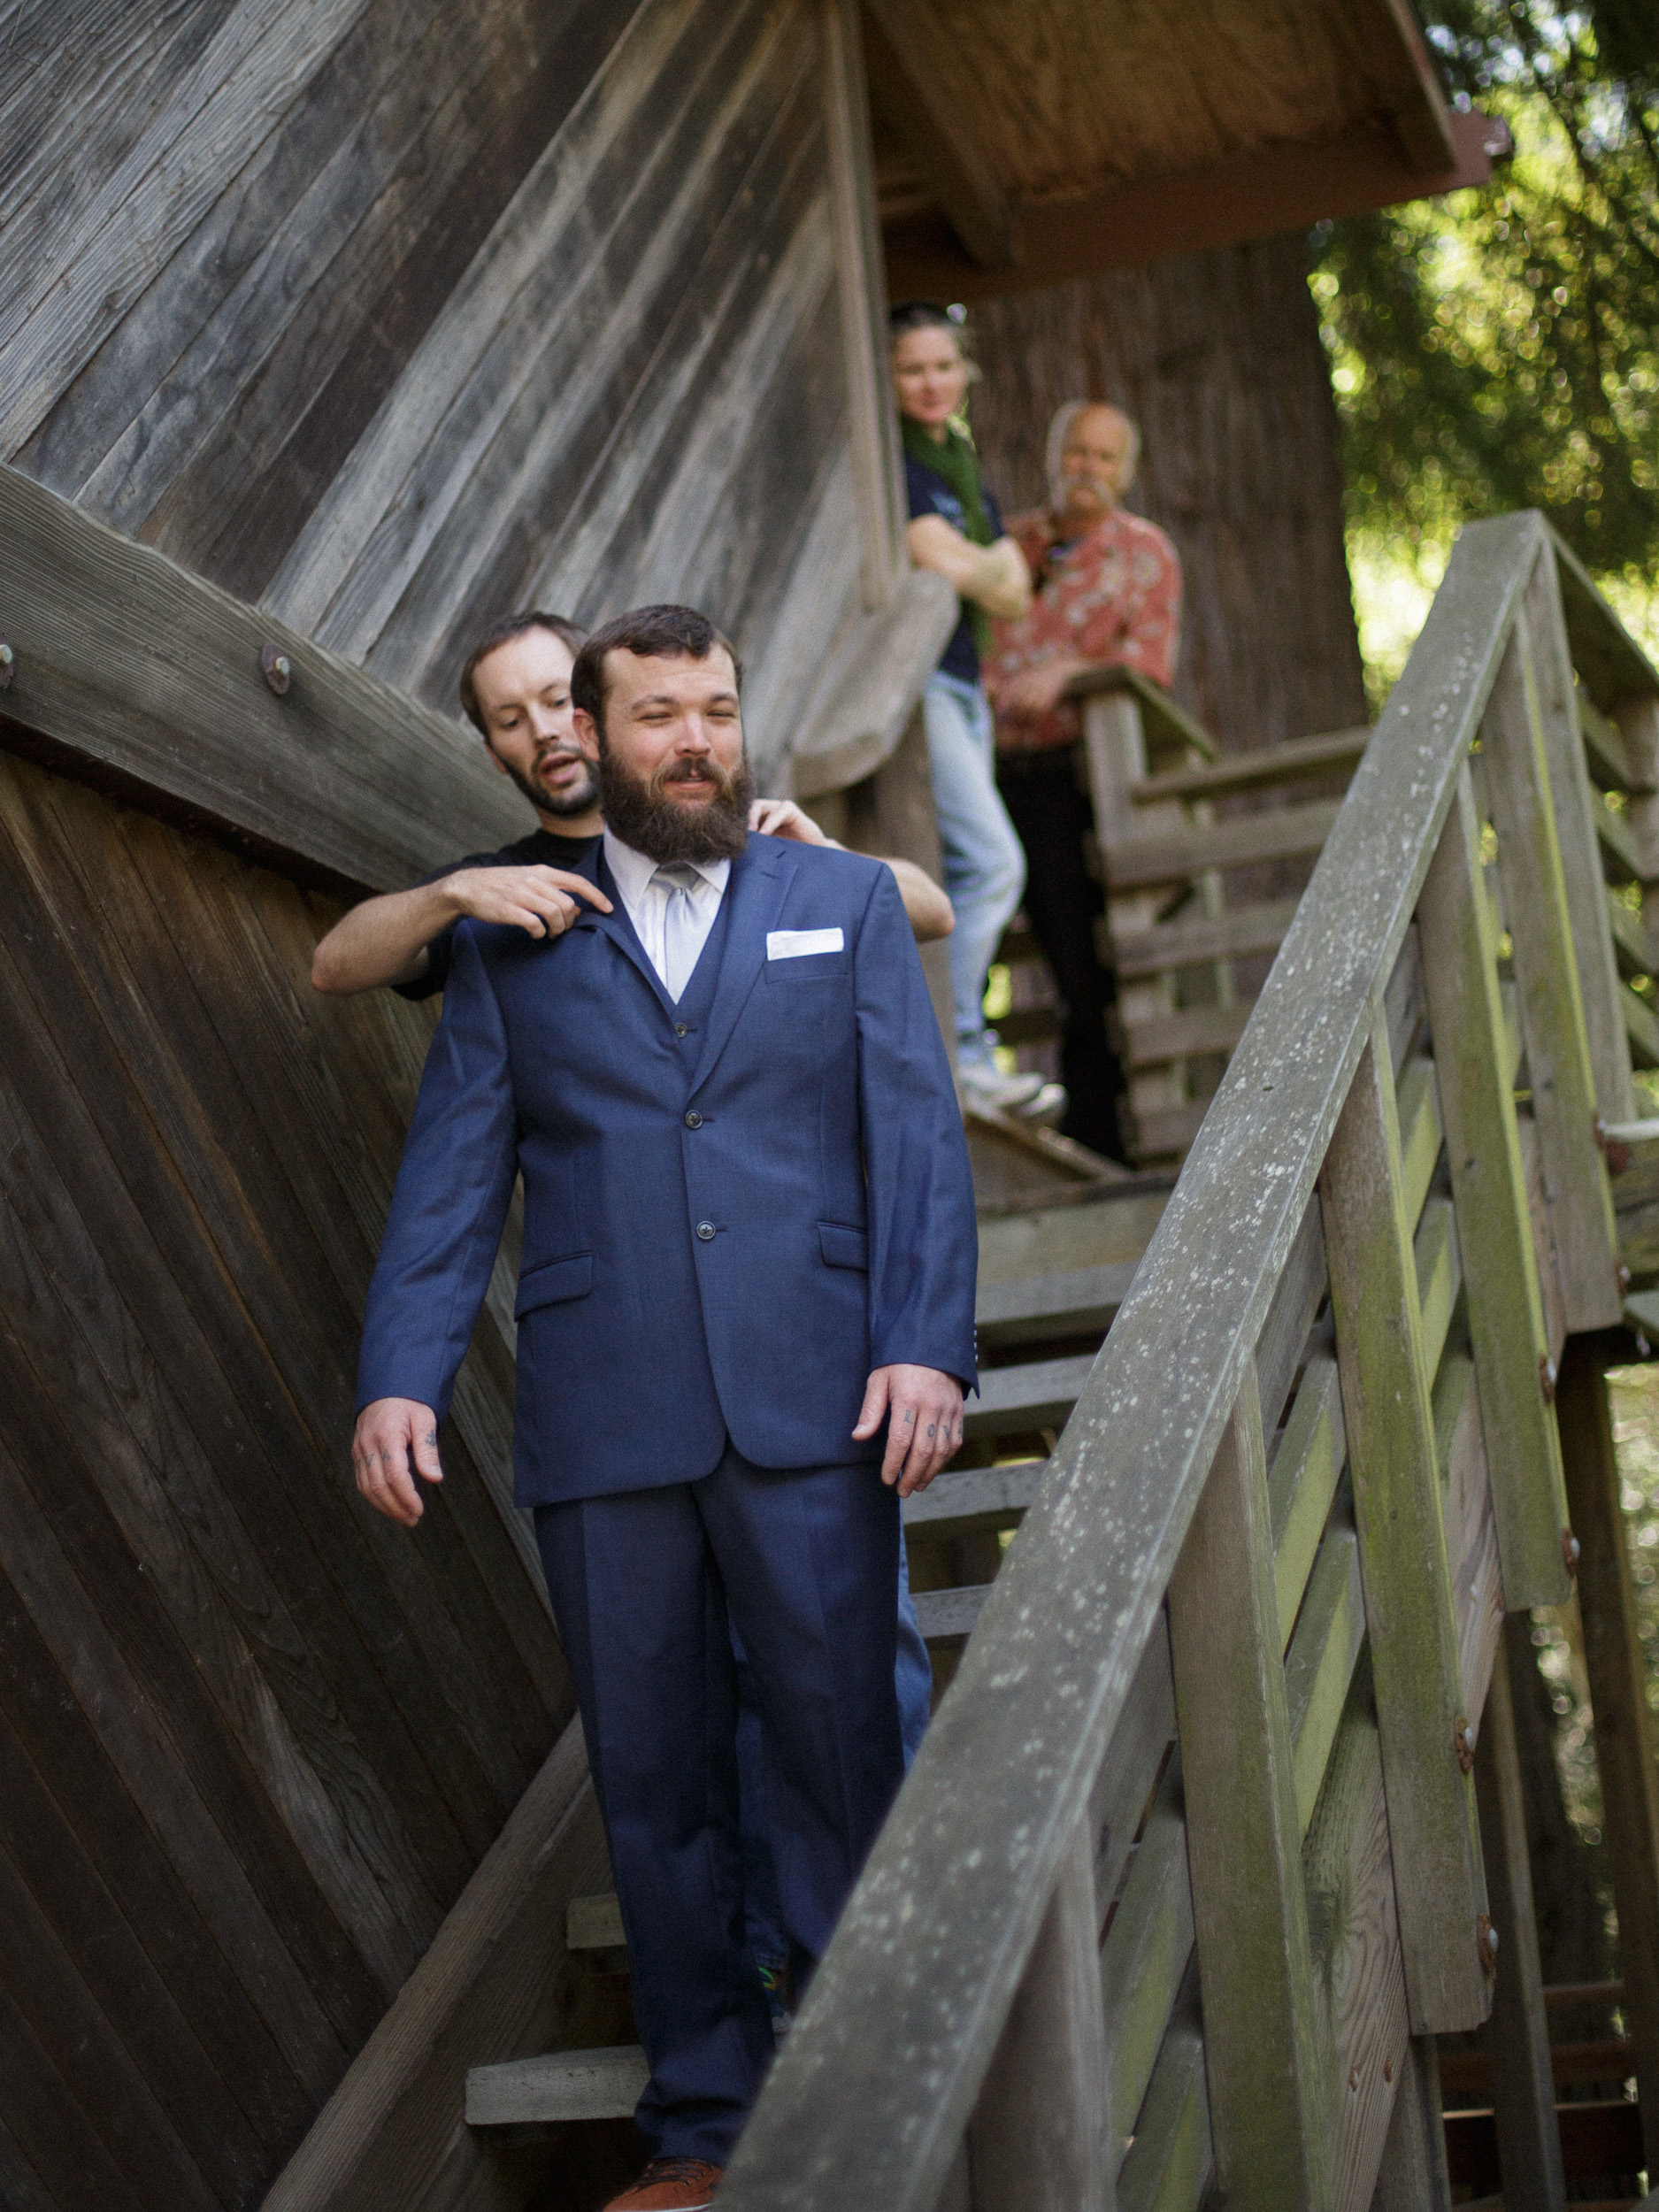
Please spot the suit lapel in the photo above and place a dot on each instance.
(759, 879)
(619, 929)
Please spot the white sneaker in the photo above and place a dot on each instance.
(1049, 1107)
(984, 1085)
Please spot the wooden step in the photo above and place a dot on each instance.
(1188, 1033)
(1286, 833)
(953, 1504)
(1197, 938)
(1044, 1306)
(563, 2085)
(1466, 2076)
(1038, 1395)
(944, 1616)
(1300, 760)
(1596, 2139)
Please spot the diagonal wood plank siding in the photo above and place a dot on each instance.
(252, 1740)
(396, 317)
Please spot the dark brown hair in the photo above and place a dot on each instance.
(652, 633)
(503, 632)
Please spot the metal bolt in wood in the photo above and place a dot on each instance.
(1546, 1377)
(1570, 1550)
(1464, 1743)
(8, 665)
(276, 668)
(1486, 1943)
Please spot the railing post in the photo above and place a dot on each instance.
(1616, 1667)
(1037, 2142)
(1416, 1663)
(1538, 918)
(1495, 1235)
(1116, 748)
(1413, 2176)
(1517, 2034)
(1609, 1044)
(1269, 2116)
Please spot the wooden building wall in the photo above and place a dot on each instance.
(396, 316)
(390, 316)
(253, 1740)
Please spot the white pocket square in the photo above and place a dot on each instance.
(792, 944)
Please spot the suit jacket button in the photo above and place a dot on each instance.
(706, 1230)
(679, 1029)
(694, 1120)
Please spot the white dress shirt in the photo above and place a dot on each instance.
(647, 900)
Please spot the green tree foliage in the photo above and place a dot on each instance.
(1500, 349)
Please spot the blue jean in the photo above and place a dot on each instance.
(985, 866)
(912, 1678)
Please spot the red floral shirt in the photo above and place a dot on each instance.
(1112, 597)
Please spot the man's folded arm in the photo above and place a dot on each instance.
(460, 1161)
(923, 1246)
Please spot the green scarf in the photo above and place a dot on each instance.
(958, 466)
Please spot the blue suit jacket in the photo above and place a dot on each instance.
(728, 1251)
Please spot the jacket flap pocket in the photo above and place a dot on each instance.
(553, 1281)
(842, 1247)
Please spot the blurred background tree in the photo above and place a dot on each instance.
(1500, 349)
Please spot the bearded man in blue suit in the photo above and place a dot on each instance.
(746, 1322)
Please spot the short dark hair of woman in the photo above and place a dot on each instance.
(503, 632)
(670, 634)
(929, 315)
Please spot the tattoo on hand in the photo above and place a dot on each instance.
(931, 1425)
(432, 1436)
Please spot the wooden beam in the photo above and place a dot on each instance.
(131, 674)
(1614, 670)
(1404, 69)
(857, 711)
(1535, 844)
(1037, 2142)
(1267, 2099)
(1517, 2034)
(1300, 760)
(903, 81)
(1413, 2176)
(496, 1985)
(1243, 840)
(236, 90)
(1287, 188)
(1483, 1148)
(1166, 722)
(1617, 1671)
(876, 474)
(1416, 1659)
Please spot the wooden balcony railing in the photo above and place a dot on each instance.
(1191, 1860)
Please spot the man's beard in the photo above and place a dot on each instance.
(581, 798)
(642, 814)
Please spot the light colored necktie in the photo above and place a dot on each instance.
(681, 947)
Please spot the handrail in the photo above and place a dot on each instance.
(871, 2095)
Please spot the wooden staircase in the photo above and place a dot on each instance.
(1198, 1869)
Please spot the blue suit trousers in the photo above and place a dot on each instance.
(645, 1586)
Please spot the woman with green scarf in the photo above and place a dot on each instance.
(956, 530)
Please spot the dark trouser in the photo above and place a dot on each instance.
(806, 1560)
(1061, 902)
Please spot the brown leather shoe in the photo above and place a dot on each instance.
(670, 2185)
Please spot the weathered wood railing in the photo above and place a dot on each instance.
(1191, 1855)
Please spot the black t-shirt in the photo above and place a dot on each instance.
(540, 850)
(929, 495)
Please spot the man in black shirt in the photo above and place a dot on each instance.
(515, 688)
